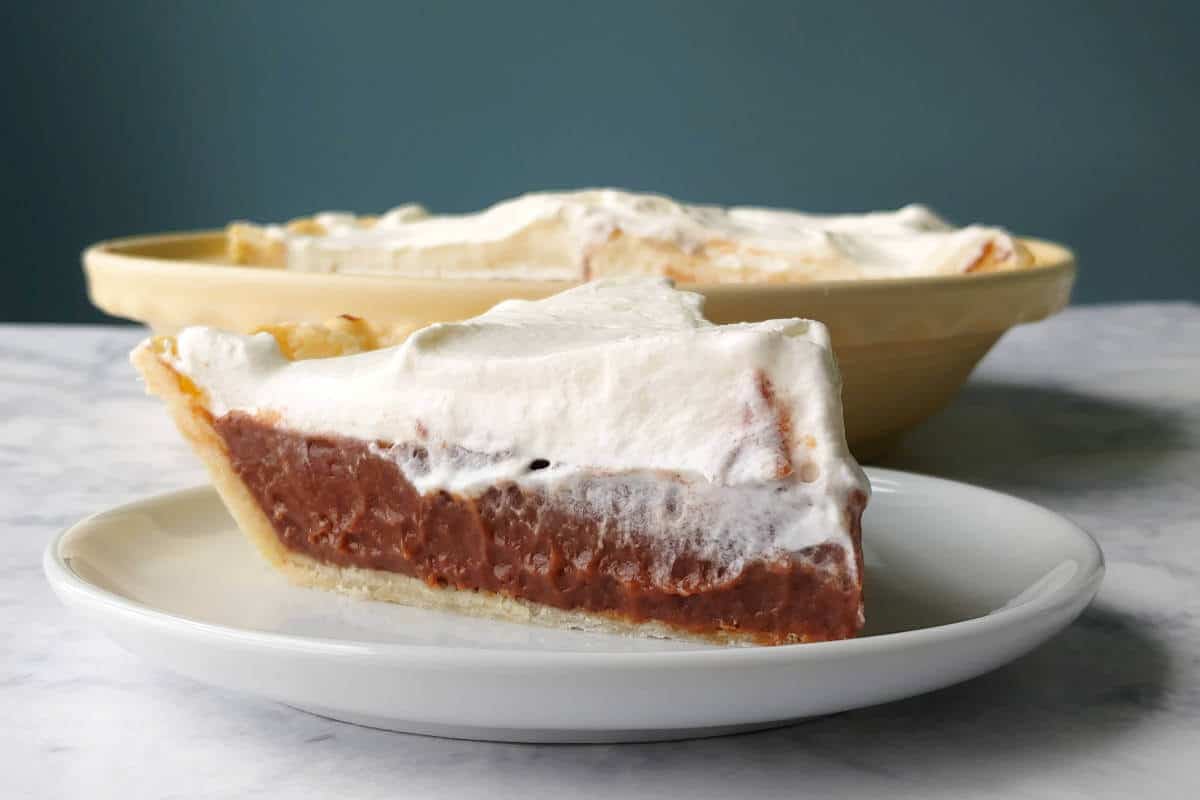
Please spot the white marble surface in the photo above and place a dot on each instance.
(1095, 414)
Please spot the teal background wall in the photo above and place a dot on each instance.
(1077, 121)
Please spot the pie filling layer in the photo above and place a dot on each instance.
(342, 502)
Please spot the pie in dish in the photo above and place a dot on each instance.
(602, 459)
(603, 233)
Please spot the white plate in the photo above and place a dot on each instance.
(959, 581)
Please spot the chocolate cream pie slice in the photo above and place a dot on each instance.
(599, 233)
(603, 459)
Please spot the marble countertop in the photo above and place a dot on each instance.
(1095, 414)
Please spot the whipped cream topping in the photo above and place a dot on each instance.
(560, 230)
(591, 395)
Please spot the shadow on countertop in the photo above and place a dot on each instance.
(1103, 675)
(1012, 435)
(1073, 698)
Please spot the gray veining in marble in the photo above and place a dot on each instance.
(1095, 414)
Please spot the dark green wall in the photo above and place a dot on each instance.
(1077, 121)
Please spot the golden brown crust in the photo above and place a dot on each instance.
(340, 336)
(991, 259)
(250, 244)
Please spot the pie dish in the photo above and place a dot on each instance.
(603, 233)
(603, 459)
(904, 345)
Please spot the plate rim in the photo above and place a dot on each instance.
(74, 590)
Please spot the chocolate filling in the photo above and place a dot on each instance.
(337, 500)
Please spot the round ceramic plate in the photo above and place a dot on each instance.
(960, 580)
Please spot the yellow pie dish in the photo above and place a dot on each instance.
(904, 345)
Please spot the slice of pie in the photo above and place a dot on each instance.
(583, 235)
(602, 459)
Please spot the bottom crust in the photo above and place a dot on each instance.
(374, 584)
